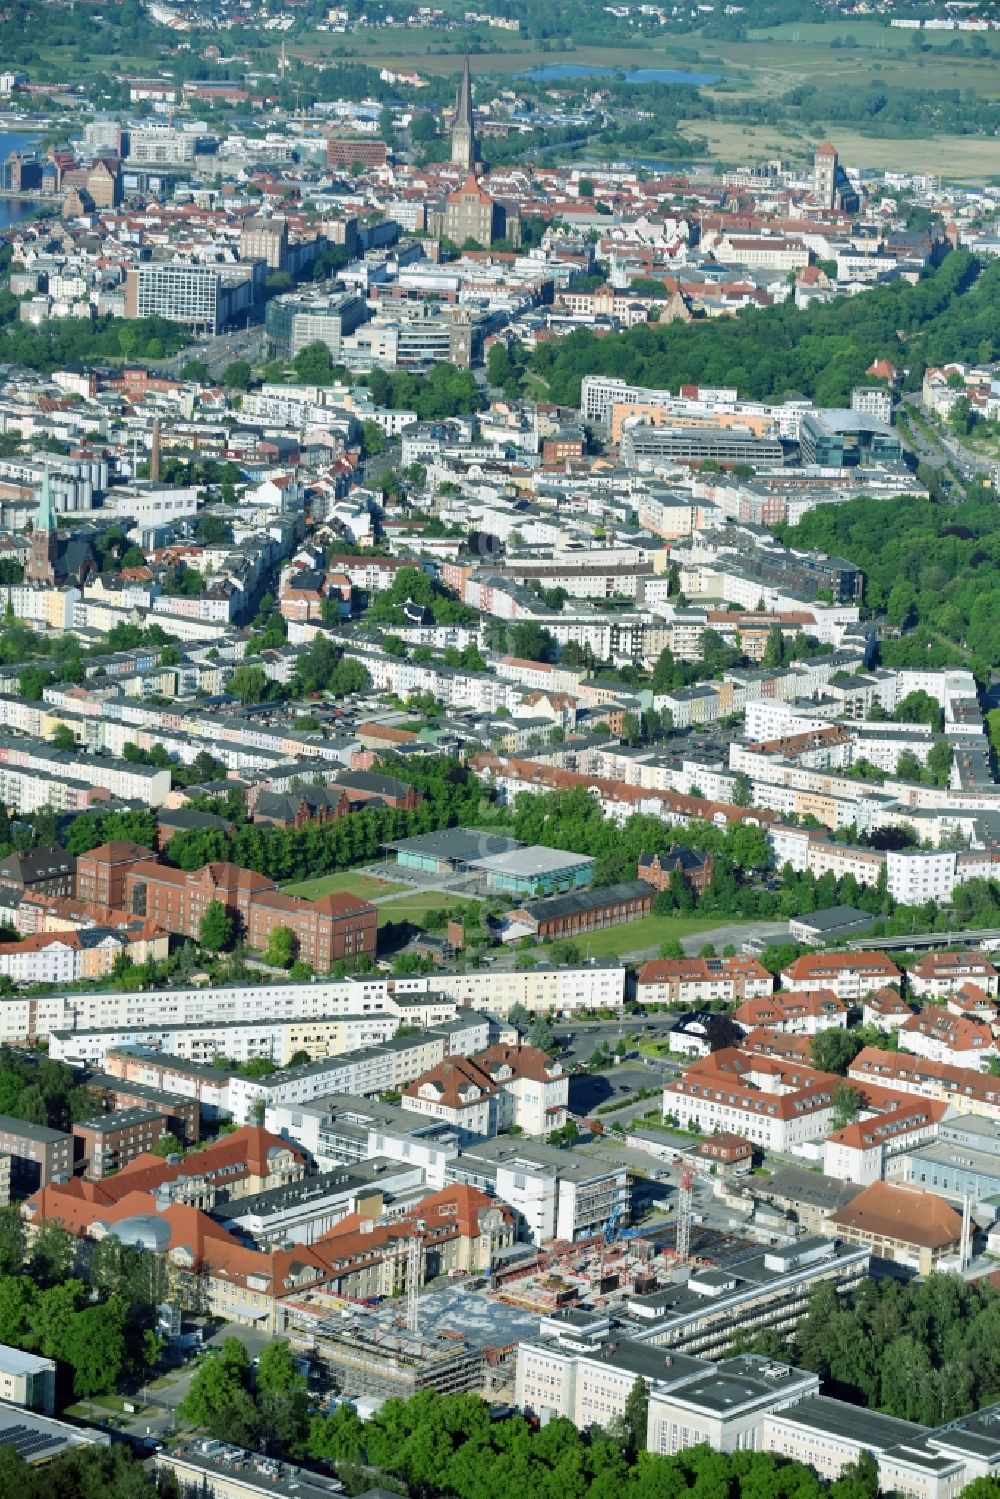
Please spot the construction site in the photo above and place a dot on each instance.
(464, 1337)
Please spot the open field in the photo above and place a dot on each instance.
(414, 907)
(767, 65)
(955, 156)
(635, 936)
(353, 884)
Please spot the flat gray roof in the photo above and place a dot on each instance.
(457, 845)
(535, 860)
(15, 1361)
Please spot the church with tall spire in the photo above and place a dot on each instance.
(56, 557)
(44, 535)
(464, 146)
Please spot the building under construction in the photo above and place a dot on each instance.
(459, 1340)
(366, 1356)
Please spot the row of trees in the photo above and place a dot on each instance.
(451, 795)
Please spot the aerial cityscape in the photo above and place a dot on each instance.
(499, 749)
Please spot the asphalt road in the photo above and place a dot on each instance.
(219, 352)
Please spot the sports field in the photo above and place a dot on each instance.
(638, 936)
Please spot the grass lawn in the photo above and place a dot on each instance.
(113, 1403)
(414, 907)
(354, 884)
(634, 936)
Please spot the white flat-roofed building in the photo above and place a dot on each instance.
(27, 1379)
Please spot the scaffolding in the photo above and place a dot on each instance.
(685, 1202)
(414, 1254)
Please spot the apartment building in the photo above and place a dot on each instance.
(499, 1088)
(697, 981)
(771, 1121)
(938, 975)
(801, 1014)
(965, 1090)
(38, 1155)
(851, 976)
(110, 1141)
(940, 1036)
(870, 1149)
(460, 1093)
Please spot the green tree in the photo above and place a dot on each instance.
(846, 1106)
(282, 947)
(216, 928)
(32, 682)
(834, 1050)
(774, 650)
(62, 737)
(313, 365)
(237, 376)
(168, 1144)
(216, 1385)
(634, 1418)
(11, 1245)
(631, 730)
(742, 789)
(541, 1034)
(249, 684)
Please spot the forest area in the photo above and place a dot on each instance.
(820, 352)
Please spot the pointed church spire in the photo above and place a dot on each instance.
(45, 519)
(463, 104)
(464, 147)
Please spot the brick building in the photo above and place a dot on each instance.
(182, 1114)
(37, 1154)
(326, 930)
(344, 151)
(176, 899)
(581, 912)
(695, 868)
(100, 874)
(110, 1141)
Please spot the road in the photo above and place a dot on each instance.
(219, 352)
(941, 450)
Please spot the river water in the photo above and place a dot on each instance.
(13, 210)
